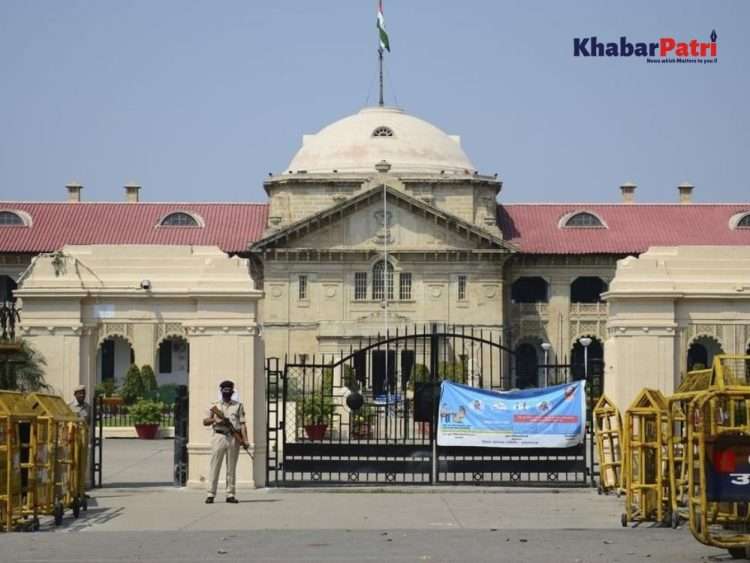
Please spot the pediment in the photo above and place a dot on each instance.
(364, 223)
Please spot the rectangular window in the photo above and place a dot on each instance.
(302, 288)
(165, 356)
(462, 288)
(404, 286)
(108, 360)
(360, 286)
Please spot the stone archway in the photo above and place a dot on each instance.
(114, 355)
(172, 365)
(701, 352)
(595, 358)
(527, 366)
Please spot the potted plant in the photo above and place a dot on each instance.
(146, 416)
(108, 390)
(316, 416)
(362, 420)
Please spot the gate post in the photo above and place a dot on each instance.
(434, 355)
(181, 436)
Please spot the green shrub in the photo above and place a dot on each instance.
(313, 410)
(132, 389)
(146, 412)
(148, 379)
(106, 388)
(452, 371)
(167, 393)
(419, 373)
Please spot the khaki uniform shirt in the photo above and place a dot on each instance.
(234, 411)
(83, 410)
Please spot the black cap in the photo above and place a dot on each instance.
(226, 383)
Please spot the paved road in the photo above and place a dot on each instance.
(151, 522)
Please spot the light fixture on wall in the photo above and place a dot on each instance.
(585, 342)
(146, 284)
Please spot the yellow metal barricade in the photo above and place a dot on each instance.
(55, 460)
(645, 459)
(718, 458)
(607, 432)
(17, 452)
(81, 437)
(693, 384)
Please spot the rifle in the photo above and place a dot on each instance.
(232, 430)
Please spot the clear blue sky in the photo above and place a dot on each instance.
(198, 101)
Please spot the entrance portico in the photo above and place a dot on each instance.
(83, 296)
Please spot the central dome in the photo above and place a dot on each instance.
(358, 142)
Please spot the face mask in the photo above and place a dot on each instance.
(226, 396)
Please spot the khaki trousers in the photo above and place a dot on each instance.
(221, 446)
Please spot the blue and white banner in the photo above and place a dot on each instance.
(553, 417)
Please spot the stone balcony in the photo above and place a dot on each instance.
(589, 310)
(529, 310)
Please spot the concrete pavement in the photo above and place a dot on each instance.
(152, 522)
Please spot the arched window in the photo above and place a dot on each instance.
(179, 219)
(584, 219)
(8, 218)
(529, 290)
(587, 290)
(383, 131)
(702, 351)
(744, 223)
(595, 357)
(381, 280)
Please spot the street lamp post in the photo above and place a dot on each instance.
(546, 346)
(585, 342)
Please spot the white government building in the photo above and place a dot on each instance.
(379, 206)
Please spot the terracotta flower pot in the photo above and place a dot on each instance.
(147, 431)
(316, 431)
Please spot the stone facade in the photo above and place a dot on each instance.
(663, 301)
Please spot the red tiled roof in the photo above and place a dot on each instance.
(230, 226)
(631, 228)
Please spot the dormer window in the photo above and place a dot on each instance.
(383, 131)
(11, 219)
(583, 219)
(180, 219)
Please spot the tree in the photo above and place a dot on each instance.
(132, 389)
(149, 381)
(23, 370)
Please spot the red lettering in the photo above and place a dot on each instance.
(666, 44)
(704, 48)
(713, 49)
(682, 50)
(549, 419)
(694, 48)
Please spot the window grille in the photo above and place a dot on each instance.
(10, 218)
(383, 132)
(462, 288)
(584, 220)
(404, 286)
(360, 286)
(744, 222)
(380, 279)
(302, 288)
(179, 220)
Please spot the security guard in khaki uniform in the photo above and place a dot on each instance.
(223, 443)
(79, 404)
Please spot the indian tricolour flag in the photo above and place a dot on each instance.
(384, 44)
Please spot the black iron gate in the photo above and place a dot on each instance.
(109, 415)
(367, 415)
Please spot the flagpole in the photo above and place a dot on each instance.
(380, 56)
